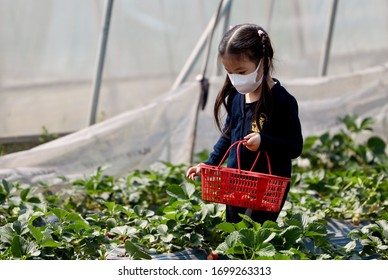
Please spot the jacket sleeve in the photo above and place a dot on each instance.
(288, 139)
(221, 146)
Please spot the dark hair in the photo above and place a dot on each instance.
(250, 41)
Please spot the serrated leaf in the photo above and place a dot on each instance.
(226, 227)
(382, 247)
(188, 189)
(60, 213)
(6, 186)
(266, 250)
(134, 252)
(350, 246)
(77, 226)
(181, 192)
(265, 235)
(291, 234)
(162, 229)
(167, 238)
(33, 199)
(31, 249)
(377, 145)
(270, 225)
(375, 239)
(7, 233)
(248, 219)
(16, 246)
(110, 205)
(36, 233)
(124, 230)
(24, 193)
(17, 226)
(232, 239)
(74, 217)
(247, 237)
(142, 212)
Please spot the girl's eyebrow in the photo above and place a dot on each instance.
(237, 69)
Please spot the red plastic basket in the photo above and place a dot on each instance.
(248, 189)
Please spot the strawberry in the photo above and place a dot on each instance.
(212, 256)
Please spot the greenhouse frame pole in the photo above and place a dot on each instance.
(218, 66)
(203, 80)
(329, 35)
(100, 61)
(182, 76)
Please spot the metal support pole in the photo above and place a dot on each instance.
(329, 35)
(270, 14)
(197, 49)
(204, 81)
(100, 61)
(219, 69)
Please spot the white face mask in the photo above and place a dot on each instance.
(246, 83)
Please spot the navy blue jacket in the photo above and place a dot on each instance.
(281, 136)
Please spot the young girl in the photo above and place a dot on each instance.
(259, 111)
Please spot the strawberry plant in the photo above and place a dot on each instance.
(373, 238)
(251, 240)
(157, 210)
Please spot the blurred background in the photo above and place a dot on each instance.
(137, 102)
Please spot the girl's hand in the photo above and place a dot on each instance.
(253, 141)
(193, 172)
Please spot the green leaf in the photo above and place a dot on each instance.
(134, 252)
(17, 226)
(16, 246)
(124, 230)
(7, 186)
(188, 189)
(181, 192)
(47, 241)
(60, 213)
(350, 246)
(266, 250)
(384, 225)
(162, 229)
(248, 219)
(226, 227)
(24, 193)
(366, 124)
(36, 233)
(265, 235)
(167, 238)
(271, 225)
(248, 238)
(7, 234)
(291, 234)
(76, 218)
(377, 145)
(31, 249)
(142, 212)
(110, 205)
(77, 226)
(33, 200)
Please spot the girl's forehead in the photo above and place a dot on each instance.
(235, 62)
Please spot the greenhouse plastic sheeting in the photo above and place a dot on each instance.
(49, 51)
(322, 101)
(163, 130)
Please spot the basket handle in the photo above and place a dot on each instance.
(238, 143)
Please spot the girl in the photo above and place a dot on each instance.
(259, 110)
